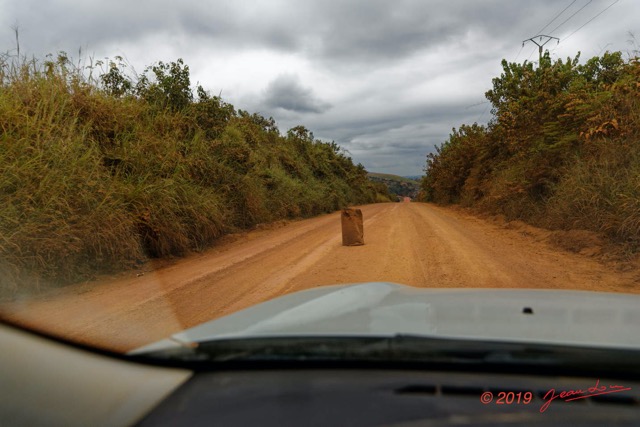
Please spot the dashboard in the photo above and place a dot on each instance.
(47, 382)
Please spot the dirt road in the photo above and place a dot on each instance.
(415, 244)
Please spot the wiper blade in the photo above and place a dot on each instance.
(279, 348)
(404, 349)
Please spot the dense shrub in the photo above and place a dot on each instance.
(99, 173)
(562, 149)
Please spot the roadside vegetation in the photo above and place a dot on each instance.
(562, 150)
(102, 169)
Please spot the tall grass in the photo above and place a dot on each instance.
(95, 181)
(562, 150)
(600, 192)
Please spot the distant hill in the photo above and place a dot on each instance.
(391, 177)
(399, 185)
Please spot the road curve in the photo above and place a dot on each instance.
(411, 243)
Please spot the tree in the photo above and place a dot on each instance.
(169, 87)
(115, 82)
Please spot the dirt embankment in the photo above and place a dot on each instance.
(415, 244)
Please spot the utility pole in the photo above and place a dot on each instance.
(540, 44)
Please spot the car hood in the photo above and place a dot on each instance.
(386, 309)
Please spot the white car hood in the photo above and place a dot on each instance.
(380, 309)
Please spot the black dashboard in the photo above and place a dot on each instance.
(337, 397)
(49, 383)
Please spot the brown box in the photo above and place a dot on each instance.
(352, 227)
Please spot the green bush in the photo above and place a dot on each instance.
(561, 150)
(601, 192)
(100, 173)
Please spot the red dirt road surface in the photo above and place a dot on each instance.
(410, 243)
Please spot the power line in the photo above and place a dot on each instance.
(566, 20)
(476, 104)
(519, 52)
(486, 107)
(556, 17)
(582, 26)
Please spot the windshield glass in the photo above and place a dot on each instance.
(164, 166)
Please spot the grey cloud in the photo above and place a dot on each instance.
(355, 31)
(287, 92)
(407, 71)
(418, 123)
(379, 30)
(399, 142)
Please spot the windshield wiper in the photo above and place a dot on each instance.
(403, 350)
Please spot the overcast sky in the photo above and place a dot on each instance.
(387, 80)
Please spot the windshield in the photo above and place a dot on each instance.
(165, 166)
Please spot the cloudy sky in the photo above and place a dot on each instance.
(387, 80)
